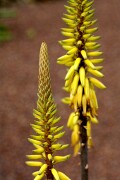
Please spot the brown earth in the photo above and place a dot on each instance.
(18, 79)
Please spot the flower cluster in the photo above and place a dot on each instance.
(82, 59)
(48, 133)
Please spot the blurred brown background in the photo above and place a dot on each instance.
(33, 24)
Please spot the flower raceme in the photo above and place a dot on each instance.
(82, 59)
(48, 133)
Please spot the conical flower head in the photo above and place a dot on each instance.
(44, 87)
(45, 142)
(82, 58)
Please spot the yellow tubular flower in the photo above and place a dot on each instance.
(82, 56)
(48, 133)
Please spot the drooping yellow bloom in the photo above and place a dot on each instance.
(82, 58)
(46, 142)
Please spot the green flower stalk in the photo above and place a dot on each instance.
(48, 133)
(82, 59)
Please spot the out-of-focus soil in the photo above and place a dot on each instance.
(18, 89)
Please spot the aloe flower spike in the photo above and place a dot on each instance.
(81, 59)
(47, 133)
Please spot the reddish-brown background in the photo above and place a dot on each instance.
(18, 88)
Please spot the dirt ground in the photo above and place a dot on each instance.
(18, 79)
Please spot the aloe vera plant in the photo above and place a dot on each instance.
(82, 60)
(46, 142)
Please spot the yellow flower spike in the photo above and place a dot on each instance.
(84, 49)
(45, 125)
